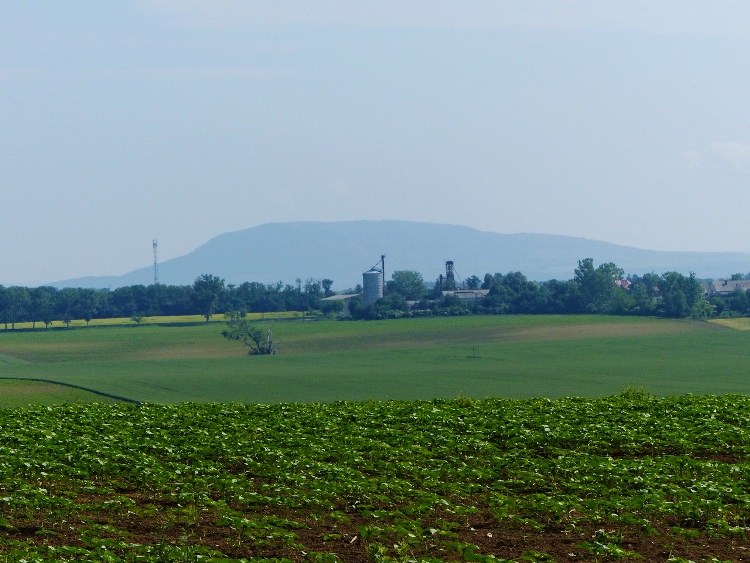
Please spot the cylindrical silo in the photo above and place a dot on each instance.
(372, 284)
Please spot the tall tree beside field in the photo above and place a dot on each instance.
(66, 302)
(643, 301)
(473, 282)
(738, 302)
(88, 304)
(645, 292)
(174, 299)
(681, 296)
(561, 296)
(122, 302)
(331, 308)
(260, 343)
(407, 283)
(42, 307)
(313, 287)
(207, 290)
(596, 286)
(248, 296)
(513, 293)
(274, 298)
(17, 301)
(326, 283)
(622, 302)
(3, 312)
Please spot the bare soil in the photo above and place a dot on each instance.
(342, 536)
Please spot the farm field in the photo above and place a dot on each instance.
(622, 478)
(325, 360)
(158, 320)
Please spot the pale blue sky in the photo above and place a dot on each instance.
(179, 120)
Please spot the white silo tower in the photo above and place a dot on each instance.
(373, 281)
(372, 284)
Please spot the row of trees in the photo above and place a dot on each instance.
(602, 289)
(208, 294)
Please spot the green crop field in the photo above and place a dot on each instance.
(326, 360)
(625, 478)
(288, 459)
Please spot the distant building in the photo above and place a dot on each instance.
(725, 288)
(345, 298)
(467, 295)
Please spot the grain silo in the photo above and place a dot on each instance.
(372, 282)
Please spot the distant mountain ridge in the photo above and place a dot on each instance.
(342, 251)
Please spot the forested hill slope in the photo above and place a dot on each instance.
(341, 251)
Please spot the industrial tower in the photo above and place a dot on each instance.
(156, 264)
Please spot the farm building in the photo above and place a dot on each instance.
(345, 298)
(467, 295)
(725, 288)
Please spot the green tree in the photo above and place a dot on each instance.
(473, 282)
(17, 303)
(3, 307)
(596, 286)
(42, 306)
(644, 303)
(622, 302)
(66, 302)
(682, 296)
(391, 302)
(260, 343)
(407, 283)
(674, 304)
(313, 287)
(207, 290)
(358, 310)
(560, 296)
(332, 308)
(513, 293)
(88, 304)
(123, 301)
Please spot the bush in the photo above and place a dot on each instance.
(636, 393)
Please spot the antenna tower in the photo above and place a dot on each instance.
(450, 280)
(156, 264)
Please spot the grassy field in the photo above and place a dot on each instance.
(624, 477)
(322, 361)
(160, 320)
(20, 393)
(742, 323)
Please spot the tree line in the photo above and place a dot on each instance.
(208, 294)
(602, 289)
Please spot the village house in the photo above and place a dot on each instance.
(725, 288)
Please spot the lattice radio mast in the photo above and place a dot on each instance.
(450, 279)
(156, 264)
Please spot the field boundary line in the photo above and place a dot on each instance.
(73, 386)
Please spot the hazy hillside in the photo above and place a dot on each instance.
(341, 251)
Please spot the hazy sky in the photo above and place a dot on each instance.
(180, 120)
